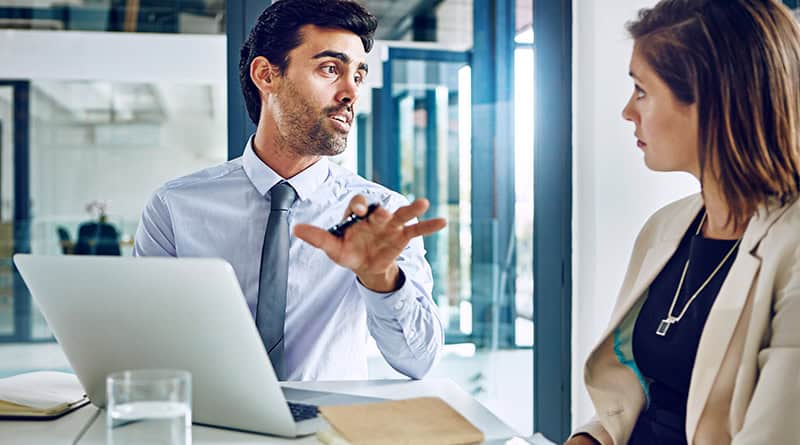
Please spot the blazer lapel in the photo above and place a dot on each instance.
(666, 241)
(654, 260)
(725, 314)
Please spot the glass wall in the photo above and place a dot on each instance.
(87, 133)
(161, 16)
(97, 150)
(6, 207)
(432, 102)
(100, 138)
(424, 119)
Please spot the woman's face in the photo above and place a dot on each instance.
(666, 129)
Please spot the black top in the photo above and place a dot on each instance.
(666, 362)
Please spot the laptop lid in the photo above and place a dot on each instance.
(116, 313)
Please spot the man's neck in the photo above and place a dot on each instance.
(279, 156)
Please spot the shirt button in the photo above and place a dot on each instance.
(399, 305)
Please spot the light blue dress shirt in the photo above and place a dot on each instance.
(222, 212)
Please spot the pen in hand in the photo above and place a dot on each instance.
(338, 229)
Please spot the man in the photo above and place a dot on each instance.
(314, 302)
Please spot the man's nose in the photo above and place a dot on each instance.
(348, 92)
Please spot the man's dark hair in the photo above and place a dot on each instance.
(277, 32)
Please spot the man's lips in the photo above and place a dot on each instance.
(341, 113)
(340, 123)
(343, 118)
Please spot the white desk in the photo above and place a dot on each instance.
(68, 428)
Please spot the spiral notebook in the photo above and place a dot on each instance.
(40, 395)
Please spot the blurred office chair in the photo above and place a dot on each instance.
(67, 246)
(97, 238)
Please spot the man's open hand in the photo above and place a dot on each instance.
(370, 247)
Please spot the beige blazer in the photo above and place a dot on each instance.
(745, 385)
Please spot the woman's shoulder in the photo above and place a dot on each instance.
(687, 205)
(785, 228)
(680, 211)
(791, 217)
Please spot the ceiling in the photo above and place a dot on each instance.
(197, 16)
(394, 16)
(99, 102)
(93, 102)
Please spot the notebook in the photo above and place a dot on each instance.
(40, 395)
(418, 421)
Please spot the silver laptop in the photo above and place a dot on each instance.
(113, 313)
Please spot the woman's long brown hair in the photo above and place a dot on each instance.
(739, 60)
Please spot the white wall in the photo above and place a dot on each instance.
(123, 56)
(613, 192)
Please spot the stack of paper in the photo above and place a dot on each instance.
(40, 394)
(420, 421)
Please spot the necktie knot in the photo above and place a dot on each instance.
(281, 196)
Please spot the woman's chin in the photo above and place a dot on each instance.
(655, 165)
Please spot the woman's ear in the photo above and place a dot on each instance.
(263, 74)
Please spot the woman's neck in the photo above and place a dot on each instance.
(718, 224)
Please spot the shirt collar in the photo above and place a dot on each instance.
(264, 178)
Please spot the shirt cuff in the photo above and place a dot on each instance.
(388, 305)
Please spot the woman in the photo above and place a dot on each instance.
(703, 345)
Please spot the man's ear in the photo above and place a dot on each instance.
(263, 74)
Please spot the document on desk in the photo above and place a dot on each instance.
(419, 421)
(43, 394)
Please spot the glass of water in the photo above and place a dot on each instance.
(149, 406)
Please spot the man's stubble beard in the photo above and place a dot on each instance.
(304, 129)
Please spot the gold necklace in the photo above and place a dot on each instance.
(665, 324)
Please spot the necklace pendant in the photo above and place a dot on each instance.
(663, 327)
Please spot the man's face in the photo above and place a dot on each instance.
(316, 96)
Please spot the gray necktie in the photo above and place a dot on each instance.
(271, 306)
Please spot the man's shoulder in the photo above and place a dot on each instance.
(201, 179)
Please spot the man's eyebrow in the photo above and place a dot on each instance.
(632, 74)
(341, 56)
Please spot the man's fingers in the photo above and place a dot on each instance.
(407, 213)
(358, 205)
(380, 216)
(425, 227)
(319, 238)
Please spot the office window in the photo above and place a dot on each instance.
(446, 22)
(420, 140)
(97, 150)
(123, 136)
(152, 16)
(87, 133)
(523, 192)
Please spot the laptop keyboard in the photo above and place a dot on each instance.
(302, 411)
